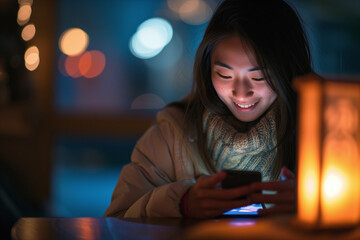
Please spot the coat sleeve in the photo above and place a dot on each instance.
(148, 186)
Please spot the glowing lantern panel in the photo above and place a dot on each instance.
(328, 155)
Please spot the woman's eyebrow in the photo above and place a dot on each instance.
(223, 65)
(255, 69)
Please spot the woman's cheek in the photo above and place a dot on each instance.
(219, 85)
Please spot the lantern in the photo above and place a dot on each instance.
(328, 152)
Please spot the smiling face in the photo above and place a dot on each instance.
(238, 80)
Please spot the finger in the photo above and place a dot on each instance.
(211, 181)
(280, 208)
(208, 209)
(286, 185)
(283, 197)
(223, 205)
(286, 174)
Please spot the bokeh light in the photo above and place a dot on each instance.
(28, 32)
(175, 5)
(151, 37)
(32, 58)
(72, 66)
(73, 41)
(23, 2)
(148, 101)
(85, 63)
(92, 63)
(140, 51)
(24, 14)
(155, 33)
(89, 64)
(333, 184)
(195, 12)
(189, 7)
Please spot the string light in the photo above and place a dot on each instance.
(28, 32)
(32, 58)
(73, 41)
(32, 55)
(25, 2)
(24, 14)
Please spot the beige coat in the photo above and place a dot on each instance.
(164, 165)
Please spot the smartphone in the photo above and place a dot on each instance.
(238, 178)
(246, 211)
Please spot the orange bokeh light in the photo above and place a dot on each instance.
(72, 66)
(24, 14)
(73, 41)
(92, 63)
(89, 65)
(32, 58)
(85, 62)
(28, 32)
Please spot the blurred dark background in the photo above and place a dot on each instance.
(81, 80)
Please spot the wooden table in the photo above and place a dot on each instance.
(282, 227)
(95, 228)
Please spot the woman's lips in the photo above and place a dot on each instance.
(246, 107)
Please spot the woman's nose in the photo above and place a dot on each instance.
(242, 88)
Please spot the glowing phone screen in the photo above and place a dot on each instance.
(247, 210)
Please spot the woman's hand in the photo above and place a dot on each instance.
(206, 199)
(283, 199)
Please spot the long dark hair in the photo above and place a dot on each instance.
(274, 33)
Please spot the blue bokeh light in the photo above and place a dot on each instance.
(150, 38)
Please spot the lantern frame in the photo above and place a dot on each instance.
(328, 193)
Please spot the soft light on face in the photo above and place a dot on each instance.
(239, 82)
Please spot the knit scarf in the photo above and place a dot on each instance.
(233, 145)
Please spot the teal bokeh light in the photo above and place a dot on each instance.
(150, 38)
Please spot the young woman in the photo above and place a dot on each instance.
(241, 114)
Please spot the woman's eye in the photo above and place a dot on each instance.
(223, 76)
(258, 79)
(256, 75)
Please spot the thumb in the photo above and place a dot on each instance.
(212, 181)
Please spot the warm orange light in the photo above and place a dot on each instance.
(28, 32)
(340, 174)
(72, 66)
(309, 143)
(92, 63)
(175, 5)
(25, 2)
(89, 65)
(195, 12)
(73, 42)
(85, 228)
(328, 155)
(334, 184)
(85, 63)
(189, 7)
(32, 58)
(24, 14)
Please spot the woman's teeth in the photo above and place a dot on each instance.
(245, 106)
